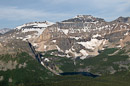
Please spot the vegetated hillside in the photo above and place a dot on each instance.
(112, 65)
(108, 61)
(20, 69)
(118, 79)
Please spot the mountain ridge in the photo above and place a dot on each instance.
(44, 51)
(70, 36)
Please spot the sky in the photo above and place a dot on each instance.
(17, 12)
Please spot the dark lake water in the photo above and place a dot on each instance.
(79, 73)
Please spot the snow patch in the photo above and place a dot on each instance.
(39, 31)
(119, 46)
(91, 44)
(59, 48)
(74, 53)
(45, 46)
(36, 24)
(83, 57)
(65, 31)
(126, 33)
(84, 53)
(35, 44)
(97, 35)
(54, 41)
(19, 37)
(39, 27)
(75, 37)
(46, 59)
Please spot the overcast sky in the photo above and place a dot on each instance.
(17, 12)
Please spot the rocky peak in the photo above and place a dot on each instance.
(83, 35)
(85, 18)
(123, 19)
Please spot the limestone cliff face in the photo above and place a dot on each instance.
(43, 39)
(45, 36)
(81, 36)
(84, 36)
(17, 39)
(125, 41)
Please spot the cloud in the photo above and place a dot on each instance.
(107, 9)
(15, 14)
(114, 9)
(61, 9)
(96, 4)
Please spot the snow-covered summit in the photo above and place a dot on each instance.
(35, 25)
(39, 27)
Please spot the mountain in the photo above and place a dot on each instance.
(83, 36)
(34, 26)
(15, 39)
(123, 20)
(4, 30)
(43, 51)
(84, 18)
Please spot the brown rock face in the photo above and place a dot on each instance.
(45, 36)
(0, 45)
(126, 40)
(83, 35)
(85, 29)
